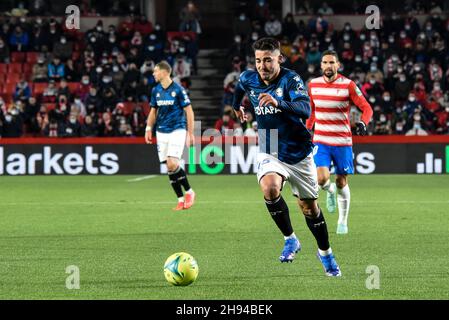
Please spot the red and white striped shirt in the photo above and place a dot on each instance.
(330, 103)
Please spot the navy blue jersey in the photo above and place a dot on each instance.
(281, 130)
(170, 104)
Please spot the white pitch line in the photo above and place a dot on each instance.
(141, 178)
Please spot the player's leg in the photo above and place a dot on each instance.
(323, 160)
(344, 200)
(162, 150)
(317, 225)
(174, 169)
(271, 177)
(175, 151)
(304, 183)
(344, 165)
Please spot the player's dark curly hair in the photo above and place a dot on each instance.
(330, 53)
(267, 44)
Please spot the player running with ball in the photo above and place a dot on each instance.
(282, 105)
(330, 97)
(172, 113)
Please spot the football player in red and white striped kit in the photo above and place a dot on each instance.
(330, 98)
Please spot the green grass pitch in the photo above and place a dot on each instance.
(119, 234)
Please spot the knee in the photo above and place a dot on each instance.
(341, 182)
(271, 191)
(171, 165)
(322, 180)
(310, 211)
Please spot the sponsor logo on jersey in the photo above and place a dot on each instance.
(158, 95)
(252, 93)
(266, 110)
(279, 92)
(173, 94)
(357, 90)
(165, 102)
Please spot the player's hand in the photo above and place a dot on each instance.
(190, 141)
(149, 137)
(265, 99)
(240, 114)
(360, 129)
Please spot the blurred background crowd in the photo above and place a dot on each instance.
(58, 82)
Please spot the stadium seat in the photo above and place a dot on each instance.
(9, 88)
(28, 68)
(50, 106)
(17, 57)
(13, 77)
(146, 108)
(73, 86)
(128, 107)
(39, 87)
(15, 67)
(3, 68)
(31, 57)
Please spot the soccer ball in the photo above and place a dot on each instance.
(181, 269)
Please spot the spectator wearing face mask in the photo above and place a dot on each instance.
(237, 49)
(23, 90)
(190, 18)
(93, 98)
(273, 27)
(372, 88)
(181, 69)
(40, 70)
(72, 127)
(63, 90)
(411, 105)
(132, 75)
(63, 48)
(83, 88)
(71, 73)
(56, 69)
(415, 126)
(19, 40)
(386, 104)
(402, 88)
(12, 124)
(117, 76)
(78, 107)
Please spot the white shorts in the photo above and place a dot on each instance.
(171, 144)
(301, 176)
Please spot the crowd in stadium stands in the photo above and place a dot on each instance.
(57, 82)
(402, 68)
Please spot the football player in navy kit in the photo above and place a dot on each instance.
(281, 104)
(172, 114)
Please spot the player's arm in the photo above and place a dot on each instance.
(299, 103)
(239, 110)
(367, 112)
(151, 120)
(311, 121)
(184, 102)
(190, 125)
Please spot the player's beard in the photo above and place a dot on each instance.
(329, 73)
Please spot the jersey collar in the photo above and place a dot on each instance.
(329, 82)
